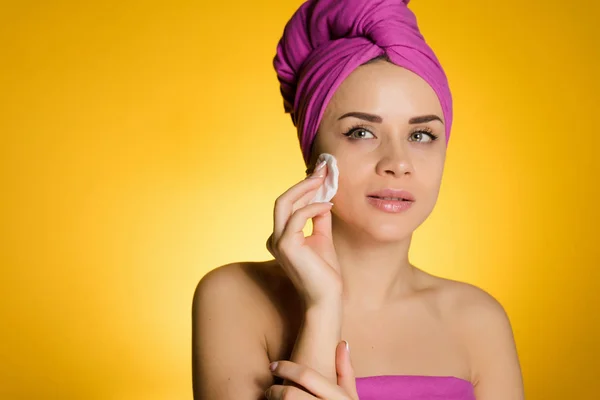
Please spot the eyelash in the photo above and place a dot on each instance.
(426, 131)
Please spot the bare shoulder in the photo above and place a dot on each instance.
(247, 285)
(244, 276)
(458, 300)
(485, 329)
(234, 310)
(260, 292)
(473, 311)
(465, 300)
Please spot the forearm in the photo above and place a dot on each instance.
(317, 339)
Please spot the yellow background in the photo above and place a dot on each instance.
(143, 144)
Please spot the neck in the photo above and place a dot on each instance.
(374, 272)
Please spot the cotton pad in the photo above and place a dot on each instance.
(329, 188)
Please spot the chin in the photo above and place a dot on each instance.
(388, 232)
(387, 227)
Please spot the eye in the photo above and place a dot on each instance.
(423, 136)
(356, 128)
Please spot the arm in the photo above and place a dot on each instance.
(229, 349)
(229, 356)
(496, 370)
(318, 338)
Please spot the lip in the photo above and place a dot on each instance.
(388, 192)
(390, 206)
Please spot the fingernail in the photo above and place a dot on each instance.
(267, 393)
(347, 346)
(319, 170)
(273, 365)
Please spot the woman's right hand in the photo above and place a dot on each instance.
(310, 262)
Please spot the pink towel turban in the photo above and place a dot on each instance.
(325, 40)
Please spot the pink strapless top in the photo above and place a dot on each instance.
(413, 387)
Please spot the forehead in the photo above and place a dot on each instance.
(385, 89)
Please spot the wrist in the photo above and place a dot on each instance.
(330, 312)
(331, 301)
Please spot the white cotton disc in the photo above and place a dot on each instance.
(329, 188)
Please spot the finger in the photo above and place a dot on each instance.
(318, 176)
(345, 373)
(322, 229)
(314, 166)
(311, 380)
(289, 201)
(300, 193)
(277, 392)
(308, 196)
(296, 199)
(269, 244)
(294, 228)
(322, 224)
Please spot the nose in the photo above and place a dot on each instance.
(395, 160)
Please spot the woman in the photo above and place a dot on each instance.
(361, 85)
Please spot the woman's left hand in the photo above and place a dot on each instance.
(317, 386)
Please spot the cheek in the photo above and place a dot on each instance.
(345, 192)
(430, 171)
(349, 195)
(433, 179)
(430, 182)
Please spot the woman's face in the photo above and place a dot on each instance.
(394, 147)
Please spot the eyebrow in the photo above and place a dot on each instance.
(376, 118)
